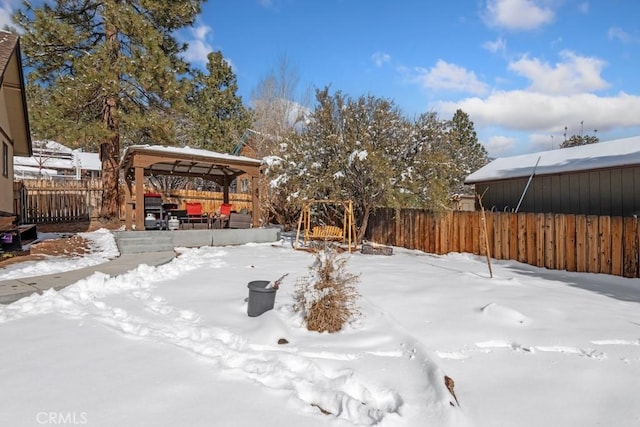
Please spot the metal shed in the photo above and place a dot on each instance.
(139, 161)
(596, 179)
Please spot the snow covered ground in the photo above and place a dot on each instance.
(173, 346)
(102, 248)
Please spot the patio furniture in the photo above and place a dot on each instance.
(240, 220)
(195, 214)
(222, 217)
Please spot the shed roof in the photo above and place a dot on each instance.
(602, 155)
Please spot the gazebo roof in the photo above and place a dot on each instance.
(186, 161)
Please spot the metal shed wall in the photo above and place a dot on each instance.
(606, 192)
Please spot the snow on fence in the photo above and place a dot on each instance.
(50, 201)
(581, 243)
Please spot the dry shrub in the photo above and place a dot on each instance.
(327, 297)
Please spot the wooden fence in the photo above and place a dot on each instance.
(48, 201)
(582, 243)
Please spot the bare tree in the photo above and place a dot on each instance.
(279, 109)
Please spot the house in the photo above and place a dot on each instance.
(15, 137)
(52, 160)
(246, 148)
(596, 179)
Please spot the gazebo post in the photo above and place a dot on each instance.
(139, 210)
(225, 189)
(128, 204)
(255, 201)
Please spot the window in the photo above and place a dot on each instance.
(5, 159)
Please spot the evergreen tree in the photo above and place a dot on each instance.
(216, 118)
(463, 151)
(423, 182)
(105, 73)
(577, 140)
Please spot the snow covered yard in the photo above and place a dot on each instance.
(173, 345)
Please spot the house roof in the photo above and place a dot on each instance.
(602, 155)
(15, 103)
(53, 155)
(20, 171)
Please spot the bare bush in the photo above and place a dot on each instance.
(327, 297)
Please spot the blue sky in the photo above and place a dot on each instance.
(521, 69)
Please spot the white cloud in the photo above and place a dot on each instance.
(575, 74)
(616, 33)
(545, 142)
(451, 77)
(265, 3)
(199, 47)
(549, 114)
(7, 8)
(517, 14)
(497, 46)
(201, 32)
(497, 146)
(380, 58)
(584, 7)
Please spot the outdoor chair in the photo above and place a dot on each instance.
(195, 214)
(222, 218)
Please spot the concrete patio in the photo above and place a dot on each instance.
(130, 242)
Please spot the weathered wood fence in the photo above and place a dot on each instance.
(582, 243)
(48, 201)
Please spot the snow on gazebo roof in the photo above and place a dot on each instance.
(602, 155)
(188, 162)
(188, 151)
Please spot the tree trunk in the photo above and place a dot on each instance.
(365, 222)
(110, 149)
(110, 157)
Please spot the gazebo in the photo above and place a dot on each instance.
(139, 161)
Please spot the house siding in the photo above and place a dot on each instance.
(607, 192)
(6, 182)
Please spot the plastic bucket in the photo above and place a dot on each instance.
(261, 298)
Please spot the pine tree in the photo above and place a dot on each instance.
(578, 140)
(423, 179)
(217, 118)
(105, 73)
(464, 152)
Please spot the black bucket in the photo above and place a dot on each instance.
(261, 298)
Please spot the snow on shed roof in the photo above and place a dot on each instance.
(616, 153)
